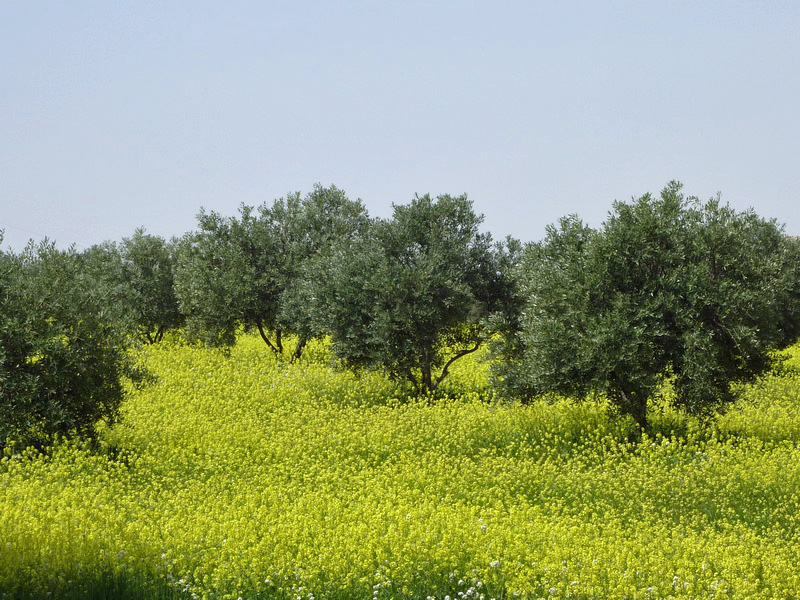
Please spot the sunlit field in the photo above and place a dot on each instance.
(245, 476)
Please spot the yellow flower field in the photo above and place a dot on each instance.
(244, 476)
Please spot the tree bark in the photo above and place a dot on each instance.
(411, 378)
(637, 408)
(266, 339)
(427, 378)
(301, 343)
(634, 404)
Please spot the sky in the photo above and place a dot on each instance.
(118, 115)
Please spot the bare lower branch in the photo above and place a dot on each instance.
(453, 359)
(265, 338)
(301, 343)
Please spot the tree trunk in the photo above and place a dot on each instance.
(266, 339)
(301, 343)
(636, 406)
(413, 380)
(427, 378)
(639, 414)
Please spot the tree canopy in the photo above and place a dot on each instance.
(240, 271)
(668, 292)
(668, 289)
(137, 282)
(412, 294)
(61, 356)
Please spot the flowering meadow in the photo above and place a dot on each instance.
(242, 475)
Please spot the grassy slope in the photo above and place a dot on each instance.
(243, 476)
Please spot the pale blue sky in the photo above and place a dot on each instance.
(115, 115)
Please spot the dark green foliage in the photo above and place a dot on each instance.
(412, 295)
(104, 269)
(213, 281)
(61, 356)
(326, 218)
(149, 271)
(791, 284)
(243, 271)
(669, 288)
(136, 280)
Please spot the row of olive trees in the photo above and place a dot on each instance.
(669, 288)
(410, 294)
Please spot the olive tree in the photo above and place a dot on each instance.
(136, 281)
(148, 263)
(61, 356)
(243, 271)
(668, 288)
(412, 294)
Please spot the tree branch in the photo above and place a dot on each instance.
(410, 376)
(265, 338)
(453, 359)
(301, 343)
